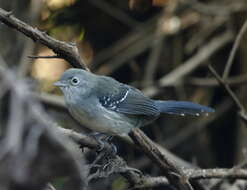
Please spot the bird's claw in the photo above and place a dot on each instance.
(107, 147)
(104, 144)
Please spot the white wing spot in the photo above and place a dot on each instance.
(122, 99)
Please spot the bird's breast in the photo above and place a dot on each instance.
(97, 118)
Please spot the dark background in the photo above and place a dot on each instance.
(138, 42)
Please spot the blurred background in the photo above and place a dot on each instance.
(163, 48)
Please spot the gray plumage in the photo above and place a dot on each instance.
(105, 105)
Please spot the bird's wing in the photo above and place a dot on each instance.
(128, 100)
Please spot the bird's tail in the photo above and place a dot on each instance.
(182, 108)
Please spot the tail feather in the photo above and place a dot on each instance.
(182, 108)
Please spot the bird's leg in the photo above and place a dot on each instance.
(105, 152)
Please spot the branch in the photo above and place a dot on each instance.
(67, 51)
(231, 93)
(217, 173)
(135, 179)
(51, 99)
(44, 57)
(173, 173)
(211, 82)
(234, 49)
(79, 138)
(141, 181)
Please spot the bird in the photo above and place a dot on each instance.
(104, 105)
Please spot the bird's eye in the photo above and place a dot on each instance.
(75, 81)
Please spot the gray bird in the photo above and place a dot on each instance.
(105, 105)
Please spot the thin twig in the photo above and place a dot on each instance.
(24, 63)
(153, 60)
(233, 51)
(210, 82)
(45, 57)
(115, 12)
(230, 92)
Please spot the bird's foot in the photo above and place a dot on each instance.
(104, 144)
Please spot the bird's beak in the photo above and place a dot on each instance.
(59, 84)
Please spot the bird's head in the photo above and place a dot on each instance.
(76, 83)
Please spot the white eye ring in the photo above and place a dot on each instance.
(75, 81)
